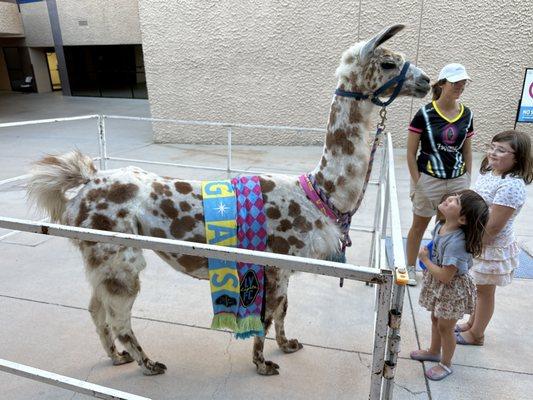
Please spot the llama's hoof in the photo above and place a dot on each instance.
(122, 358)
(153, 368)
(291, 346)
(268, 368)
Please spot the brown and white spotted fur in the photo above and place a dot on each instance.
(131, 200)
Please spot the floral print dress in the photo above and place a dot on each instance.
(456, 298)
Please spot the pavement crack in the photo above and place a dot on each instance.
(363, 362)
(226, 378)
(410, 391)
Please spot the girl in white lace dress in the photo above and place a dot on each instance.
(504, 172)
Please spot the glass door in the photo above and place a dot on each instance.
(53, 70)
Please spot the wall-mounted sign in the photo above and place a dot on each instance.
(525, 107)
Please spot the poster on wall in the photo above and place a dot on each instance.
(525, 107)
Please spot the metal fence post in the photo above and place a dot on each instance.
(102, 147)
(394, 340)
(398, 291)
(383, 295)
(385, 177)
(228, 161)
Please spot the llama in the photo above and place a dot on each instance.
(131, 200)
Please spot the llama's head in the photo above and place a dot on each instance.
(366, 66)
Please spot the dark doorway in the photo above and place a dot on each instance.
(19, 69)
(106, 71)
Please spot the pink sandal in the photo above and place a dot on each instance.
(438, 372)
(424, 355)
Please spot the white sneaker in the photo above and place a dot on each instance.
(411, 271)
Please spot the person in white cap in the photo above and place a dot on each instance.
(439, 153)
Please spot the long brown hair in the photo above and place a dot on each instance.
(476, 213)
(521, 145)
(436, 88)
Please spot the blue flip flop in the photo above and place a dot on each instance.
(459, 339)
(459, 329)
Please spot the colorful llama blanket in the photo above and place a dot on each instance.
(234, 215)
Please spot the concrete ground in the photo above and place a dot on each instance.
(44, 321)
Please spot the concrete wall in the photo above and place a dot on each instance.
(273, 62)
(10, 21)
(36, 24)
(40, 69)
(108, 22)
(95, 22)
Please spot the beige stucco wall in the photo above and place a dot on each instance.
(36, 24)
(274, 62)
(108, 22)
(40, 69)
(10, 20)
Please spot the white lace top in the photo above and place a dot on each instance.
(508, 192)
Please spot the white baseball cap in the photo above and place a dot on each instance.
(454, 73)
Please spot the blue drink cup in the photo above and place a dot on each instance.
(430, 248)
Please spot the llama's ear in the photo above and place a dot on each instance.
(378, 40)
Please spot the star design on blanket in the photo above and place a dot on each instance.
(222, 208)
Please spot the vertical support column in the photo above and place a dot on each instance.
(372, 261)
(58, 46)
(398, 293)
(228, 160)
(385, 179)
(383, 298)
(102, 147)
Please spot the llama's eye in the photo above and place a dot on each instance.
(388, 65)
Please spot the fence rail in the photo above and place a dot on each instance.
(301, 264)
(65, 382)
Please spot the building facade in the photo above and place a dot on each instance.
(90, 48)
(268, 63)
(273, 62)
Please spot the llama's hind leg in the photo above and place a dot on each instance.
(118, 297)
(98, 315)
(114, 274)
(286, 345)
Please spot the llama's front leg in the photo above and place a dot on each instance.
(286, 345)
(264, 367)
(98, 315)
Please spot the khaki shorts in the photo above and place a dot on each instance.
(427, 193)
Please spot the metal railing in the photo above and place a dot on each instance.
(388, 295)
(65, 382)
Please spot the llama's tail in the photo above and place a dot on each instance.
(52, 176)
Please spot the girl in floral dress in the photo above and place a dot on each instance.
(504, 172)
(448, 290)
